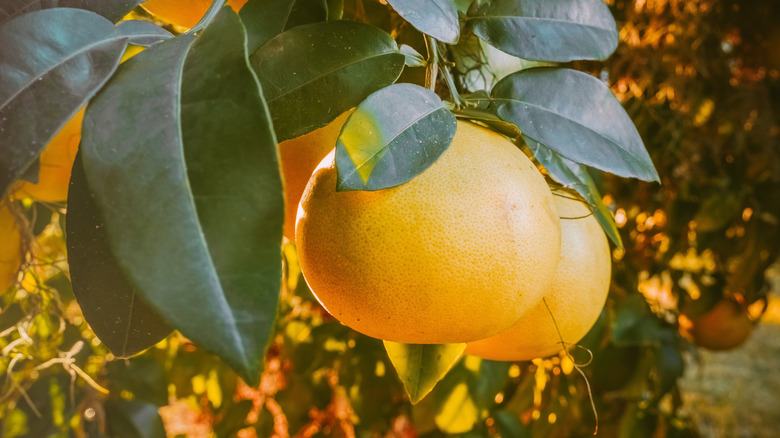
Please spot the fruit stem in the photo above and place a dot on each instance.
(216, 5)
(432, 68)
(451, 85)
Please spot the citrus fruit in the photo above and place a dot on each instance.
(10, 247)
(575, 299)
(725, 327)
(454, 255)
(56, 162)
(184, 13)
(299, 157)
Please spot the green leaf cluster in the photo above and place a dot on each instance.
(176, 202)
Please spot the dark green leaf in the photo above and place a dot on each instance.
(614, 366)
(133, 419)
(718, 210)
(51, 62)
(312, 73)
(437, 18)
(634, 323)
(488, 381)
(576, 177)
(142, 33)
(546, 30)
(420, 366)
(143, 376)
(393, 136)
(113, 10)
(120, 318)
(179, 151)
(637, 422)
(264, 19)
(509, 425)
(575, 115)
(669, 361)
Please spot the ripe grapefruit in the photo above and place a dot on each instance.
(299, 157)
(454, 255)
(56, 163)
(10, 247)
(184, 13)
(577, 295)
(725, 327)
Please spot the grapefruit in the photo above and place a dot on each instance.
(575, 300)
(299, 157)
(454, 255)
(184, 13)
(725, 327)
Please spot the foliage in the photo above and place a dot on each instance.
(174, 217)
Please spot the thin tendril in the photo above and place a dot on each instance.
(576, 367)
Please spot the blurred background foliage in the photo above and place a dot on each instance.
(701, 80)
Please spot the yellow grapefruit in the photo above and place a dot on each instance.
(726, 326)
(454, 255)
(185, 13)
(10, 247)
(299, 157)
(577, 295)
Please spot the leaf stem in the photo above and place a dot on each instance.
(216, 5)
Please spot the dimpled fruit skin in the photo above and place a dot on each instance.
(454, 255)
(299, 157)
(185, 13)
(576, 297)
(10, 247)
(56, 163)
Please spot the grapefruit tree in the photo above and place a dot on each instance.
(182, 247)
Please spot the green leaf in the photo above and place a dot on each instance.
(413, 57)
(393, 136)
(133, 419)
(718, 210)
(634, 323)
(120, 318)
(456, 410)
(143, 376)
(575, 115)
(487, 381)
(421, 366)
(507, 424)
(546, 30)
(180, 153)
(576, 177)
(142, 33)
(264, 19)
(51, 62)
(437, 18)
(669, 361)
(113, 10)
(312, 73)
